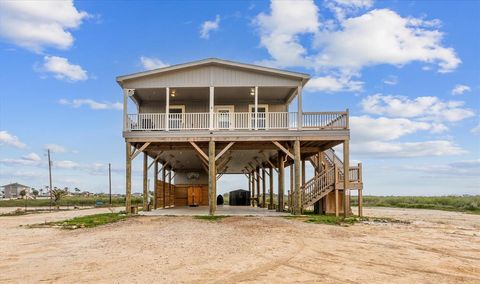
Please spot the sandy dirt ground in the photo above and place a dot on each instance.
(436, 247)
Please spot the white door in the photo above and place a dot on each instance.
(262, 111)
(224, 117)
(176, 116)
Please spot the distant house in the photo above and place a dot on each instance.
(13, 190)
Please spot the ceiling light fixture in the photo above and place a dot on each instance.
(173, 93)
(252, 91)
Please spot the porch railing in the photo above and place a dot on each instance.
(236, 121)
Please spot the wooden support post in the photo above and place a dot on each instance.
(170, 187)
(270, 184)
(155, 182)
(296, 150)
(304, 178)
(257, 173)
(252, 182)
(212, 181)
(346, 177)
(281, 180)
(145, 181)
(264, 185)
(291, 199)
(360, 189)
(336, 189)
(128, 179)
(164, 175)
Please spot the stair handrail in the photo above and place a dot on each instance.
(317, 184)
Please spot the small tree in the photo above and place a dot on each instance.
(35, 193)
(58, 194)
(23, 193)
(77, 190)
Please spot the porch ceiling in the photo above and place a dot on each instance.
(222, 94)
(182, 156)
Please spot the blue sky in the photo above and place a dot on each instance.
(407, 70)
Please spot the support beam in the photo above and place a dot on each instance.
(155, 182)
(155, 160)
(128, 179)
(169, 186)
(280, 146)
(164, 175)
(270, 183)
(360, 191)
(346, 177)
(249, 186)
(291, 200)
(264, 185)
(269, 162)
(281, 180)
(296, 147)
(135, 154)
(257, 174)
(212, 181)
(335, 169)
(252, 181)
(200, 151)
(145, 182)
(224, 150)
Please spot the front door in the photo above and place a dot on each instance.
(224, 117)
(262, 116)
(176, 117)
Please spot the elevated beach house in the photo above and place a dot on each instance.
(197, 121)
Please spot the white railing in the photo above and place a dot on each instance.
(236, 121)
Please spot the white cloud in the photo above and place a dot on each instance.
(76, 103)
(377, 137)
(460, 168)
(21, 162)
(63, 70)
(11, 140)
(32, 157)
(35, 25)
(383, 37)
(209, 26)
(425, 108)
(342, 8)
(476, 129)
(54, 148)
(365, 128)
(460, 89)
(407, 149)
(65, 164)
(150, 63)
(391, 80)
(332, 84)
(280, 29)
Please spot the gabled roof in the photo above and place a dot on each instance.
(216, 61)
(15, 184)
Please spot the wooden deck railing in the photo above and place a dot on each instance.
(236, 121)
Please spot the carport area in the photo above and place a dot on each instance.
(221, 210)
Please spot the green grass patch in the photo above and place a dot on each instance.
(88, 221)
(459, 203)
(211, 218)
(331, 220)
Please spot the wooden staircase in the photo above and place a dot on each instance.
(330, 176)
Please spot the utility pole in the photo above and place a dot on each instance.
(50, 177)
(110, 182)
